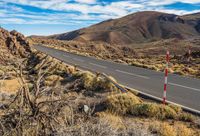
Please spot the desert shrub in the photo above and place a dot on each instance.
(95, 83)
(99, 127)
(122, 103)
(114, 120)
(186, 117)
(52, 79)
(87, 79)
(153, 110)
(183, 130)
(162, 129)
(106, 84)
(178, 109)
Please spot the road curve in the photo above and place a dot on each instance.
(181, 90)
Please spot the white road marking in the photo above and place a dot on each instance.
(132, 74)
(78, 59)
(98, 65)
(195, 89)
(66, 56)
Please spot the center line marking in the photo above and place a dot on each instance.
(98, 65)
(195, 89)
(78, 59)
(132, 74)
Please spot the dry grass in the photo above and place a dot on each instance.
(186, 117)
(122, 103)
(10, 86)
(128, 103)
(183, 130)
(177, 129)
(94, 82)
(162, 129)
(52, 79)
(114, 120)
(154, 110)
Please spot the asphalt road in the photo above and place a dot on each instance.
(181, 90)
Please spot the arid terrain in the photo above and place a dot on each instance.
(147, 55)
(139, 27)
(140, 39)
(42, 96)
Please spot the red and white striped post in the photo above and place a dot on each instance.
(166, 74)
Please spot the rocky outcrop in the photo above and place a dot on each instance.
(14, 43)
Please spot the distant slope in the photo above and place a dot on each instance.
(137, 28)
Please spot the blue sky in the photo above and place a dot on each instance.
(46, 17)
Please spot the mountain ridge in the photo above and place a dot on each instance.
(138, 27)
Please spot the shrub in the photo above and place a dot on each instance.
(87, 80)
(186, 117)
(95, 83)
(178, 109)
(153, 110)
(183, 130)
(162, 129)
(145, 109)
(122, 103)
(52, 79)
(114, 120)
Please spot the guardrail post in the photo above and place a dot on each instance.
(166, 74)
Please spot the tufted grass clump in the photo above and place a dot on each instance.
(93, 82)
(186, 117)
(52, 79)
(162, 129)
(154, 110)
(122, 103)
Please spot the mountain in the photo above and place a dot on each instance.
(139, 27)
(13, 43)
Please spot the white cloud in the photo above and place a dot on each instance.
(86, 1)
(12, 21)
(167, 2)
(89, 10)
(177, 12)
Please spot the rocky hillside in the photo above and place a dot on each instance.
(138, 28)
(13, 43)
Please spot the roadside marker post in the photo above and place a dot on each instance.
(166, 74)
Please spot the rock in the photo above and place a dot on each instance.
(14, 43)
(86, 109)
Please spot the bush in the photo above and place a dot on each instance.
(122, 103)
(186, 117)
(154, 110)
(183, 130)
(95, 83)
(52, 79)
(87, 80)
(178, 109)
(162, 129)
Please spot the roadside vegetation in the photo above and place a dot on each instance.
(57, 99)
(40, 95)
(149, 55)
